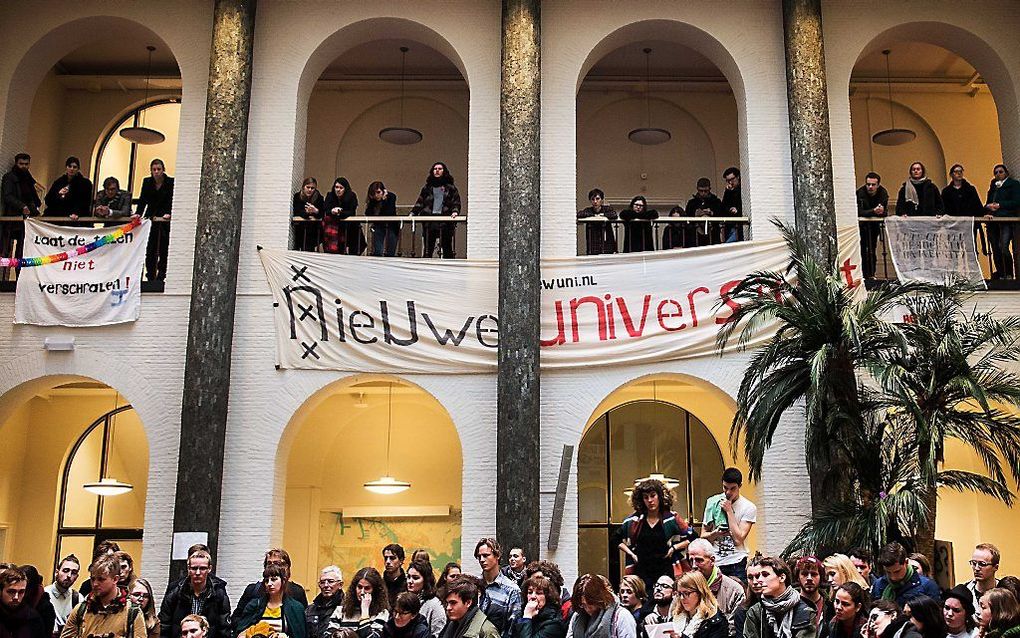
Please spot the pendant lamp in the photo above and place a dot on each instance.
(648, 135)
(401, 135)
(892, 136)
(107, 485)
(141, 134)
(387, 484)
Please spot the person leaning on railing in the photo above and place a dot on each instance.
(673, 234)
(382, 203)
(872, 201)
(918, 196)
(439, 196)
(638, 237)
(704, 203)
(19, 198)
(1003, 201)
(341, 202)
(599, 238)
(112, 201)
(959, 197)
(308, 204)
(156, 202)
(71, 193)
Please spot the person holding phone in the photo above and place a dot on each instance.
(728, 520)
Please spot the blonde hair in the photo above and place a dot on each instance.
(694, 581)
(637, 586)
(842, 564)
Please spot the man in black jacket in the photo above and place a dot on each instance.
(71, 193)
(200, 592)
(17, 618)
(706, 204)
(17, 189)
(331, 596)
(156, 202)
(872, 201)
(275, 556)
(732, 205)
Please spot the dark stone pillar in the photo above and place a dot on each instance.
(517, 423)
(217, 239)
(806, 92)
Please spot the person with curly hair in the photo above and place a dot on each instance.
(653, 537)
(366, 606)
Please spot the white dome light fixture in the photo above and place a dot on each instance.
(387, 484)
(892, 136)
(142, 134)
(648, 135)
(108, 487)
(401, 135)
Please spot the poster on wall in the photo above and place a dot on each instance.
(83, 276)
(356, 541)
(934, 249)
(376, 314)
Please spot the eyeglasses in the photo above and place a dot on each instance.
(662, 586)
(403, 613)
(982, 564)
(329, 581)
(198, 568)
(875, 615)
(685, 594)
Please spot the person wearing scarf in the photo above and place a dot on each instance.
(919, 196)
(106, 609)
(696, 613)
(728, 591)
(901, 581)
(465, 620)
(781, 613)
(596, 612)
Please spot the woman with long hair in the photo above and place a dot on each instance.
(421, 582)
(450, 573)
(850, 602)
(439, 196)
(653, 537)
(1000, 614)
(275, 609)
(887, 620)
(839, 569)
(696, 612)
(141, 596)
(338, 236)
(308, 204)
(919, 195)
(596, 612)
(385, 235)
(366, 606)
(926, 614)
(541, 616)
(633, 596)
(638, 237)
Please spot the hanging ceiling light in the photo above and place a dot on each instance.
(141, 134)
(892, 136)
(648, 135)
(401, 135)
(107, 485)
(387, 484)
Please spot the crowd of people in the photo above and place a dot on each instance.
(919, 196)
(600, 235)
(324, 225)
(678, 583)
(71, 196)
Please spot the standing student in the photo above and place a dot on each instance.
(728, 519)
(438, 197)
(156, 202)
(385, 235)
(70, 195)
(638, 234)
(308, 204)
(1003, 201)
(341, 202)
(918, 195)
(599, 237)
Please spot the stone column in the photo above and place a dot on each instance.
(217, 239)
(517, 424)
(814, 204)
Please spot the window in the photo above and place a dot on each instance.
(128, 162)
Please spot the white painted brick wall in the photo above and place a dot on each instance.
(294, 41)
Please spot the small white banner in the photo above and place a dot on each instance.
(95, 289)
(934, 249)
(376, 314)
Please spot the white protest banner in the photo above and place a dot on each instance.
(376, 314)
(934, 249)
(97, 288)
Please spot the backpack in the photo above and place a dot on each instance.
(132, 614)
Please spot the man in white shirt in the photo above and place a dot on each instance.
(61, 591)
(984, 562)
(727, 522)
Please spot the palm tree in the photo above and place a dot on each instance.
(826, 333)
(946, 381)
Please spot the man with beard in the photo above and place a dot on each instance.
(662, 597)
(17, 188)
(331, 596)
(18, 619)
(808, 575)
(62, 594)
(781, 613)
(728, 591)
(106, 609)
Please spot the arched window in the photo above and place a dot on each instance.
(129, 162)
(114, 445)
(629, 442)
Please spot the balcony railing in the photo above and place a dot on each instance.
(985, 231)
(411, 235)
(11, 231)
(667, 233)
